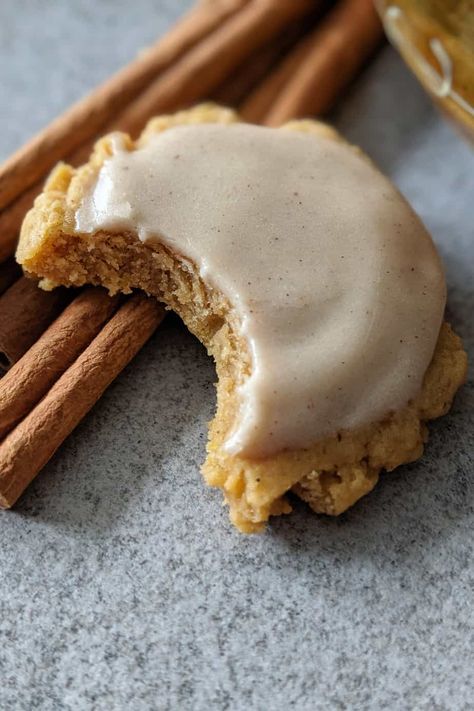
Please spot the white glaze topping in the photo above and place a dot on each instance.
(337, 285)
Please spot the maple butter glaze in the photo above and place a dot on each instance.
(335, 283)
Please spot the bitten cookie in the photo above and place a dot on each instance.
(303, 271)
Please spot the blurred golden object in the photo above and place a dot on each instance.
(436, 39)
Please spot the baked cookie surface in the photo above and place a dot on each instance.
(330, 474)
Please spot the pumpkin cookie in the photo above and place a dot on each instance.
(303, 271)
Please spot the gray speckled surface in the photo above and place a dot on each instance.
(123, 585)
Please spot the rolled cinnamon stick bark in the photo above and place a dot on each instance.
(345, 39)
(249, 74)
(259, 101)
(25, 312)
(10, 271)
(253, 71)
(86, 117)
(33, 442)
(203, 68)
(36, 372)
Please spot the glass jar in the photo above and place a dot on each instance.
(436, 40)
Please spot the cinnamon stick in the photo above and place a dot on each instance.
(34, 441)
(340, 45)
(256, 67)
(258, 102)
(85, 118)
(25, 312)
(204, 67)
(237, 86)
(33, 375)
(10, 271)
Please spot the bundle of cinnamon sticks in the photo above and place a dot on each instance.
(274, 60)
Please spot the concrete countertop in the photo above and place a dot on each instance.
(123, 585)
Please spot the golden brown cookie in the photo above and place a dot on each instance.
(330, 475)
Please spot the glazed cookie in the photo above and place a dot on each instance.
(303, 271)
